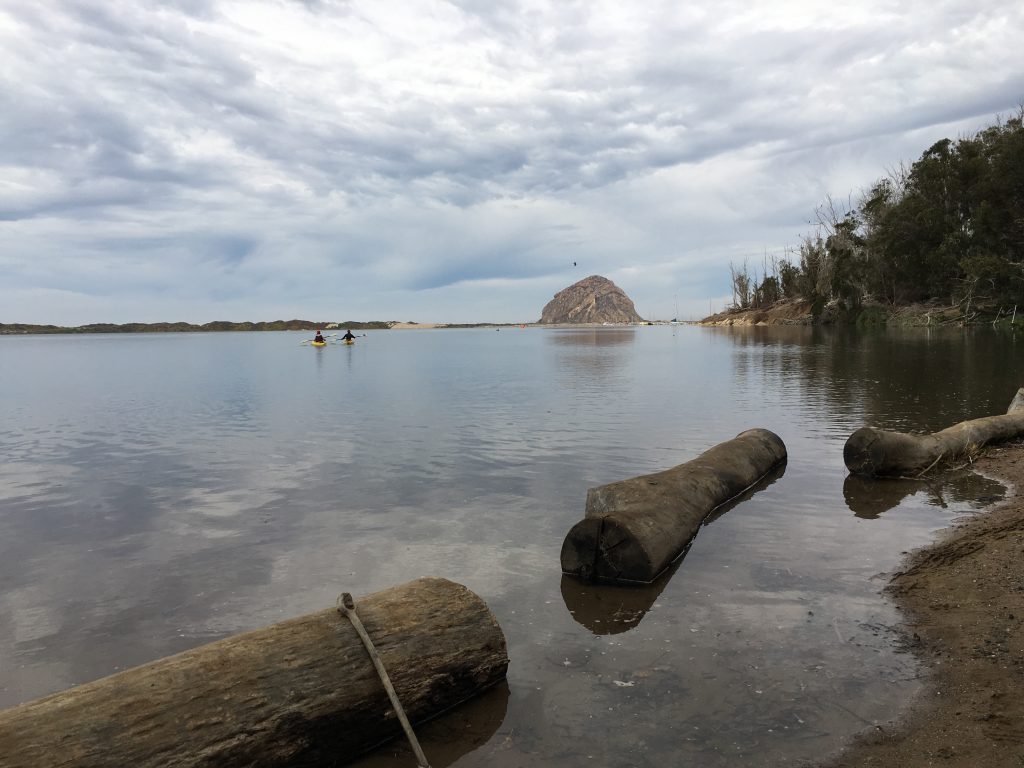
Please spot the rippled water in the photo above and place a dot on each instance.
(161, 491)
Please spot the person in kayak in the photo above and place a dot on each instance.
(319, 338)
(348, 336)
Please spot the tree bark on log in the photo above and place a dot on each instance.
(880, 453)
(300, 693)
(634, 529)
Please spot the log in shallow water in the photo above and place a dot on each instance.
(302, 692)
(635, 528)
(877, 452)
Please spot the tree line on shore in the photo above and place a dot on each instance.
(947, 229)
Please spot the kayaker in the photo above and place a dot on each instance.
(348, 336)
(319, 338)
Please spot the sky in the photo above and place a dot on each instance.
(456, 161)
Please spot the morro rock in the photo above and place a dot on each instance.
(593, 299)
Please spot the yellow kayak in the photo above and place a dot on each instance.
(318, 343)
(349, 341)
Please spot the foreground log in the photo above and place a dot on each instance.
(635, 528)
(302, 692)
(877, 452)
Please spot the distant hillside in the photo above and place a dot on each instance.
(216, 325)
(593, 299)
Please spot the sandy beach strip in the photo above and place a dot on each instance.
(963, 598)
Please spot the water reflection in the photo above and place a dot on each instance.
(869, 498)
(447, 738)
(593, 337)
(593, 361)
(977, 491)
(911, 379)
(161, 491)
(609, 609)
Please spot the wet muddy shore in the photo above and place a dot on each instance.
(963, 597)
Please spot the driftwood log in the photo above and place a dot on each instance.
(635, 528)
(302, 692)
(880, 453)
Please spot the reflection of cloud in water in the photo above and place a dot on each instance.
(31, 617)
(125, 556)
(22, 480)
(465, 455)
(977, 491)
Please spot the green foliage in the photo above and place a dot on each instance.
(872, 317)
(768, 292)
(813, 260)
(948, 228)
(789, 279)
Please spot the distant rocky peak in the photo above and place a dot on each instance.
(593, 299)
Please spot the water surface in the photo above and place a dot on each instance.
(162, 491)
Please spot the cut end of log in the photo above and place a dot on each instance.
(859, 452)
(880, 453)
(602, 549)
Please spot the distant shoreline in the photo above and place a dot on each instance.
(21, 329)
(874, 315)
(8, 329)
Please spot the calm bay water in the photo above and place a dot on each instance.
(162, 491)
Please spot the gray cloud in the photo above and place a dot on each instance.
(195, 151)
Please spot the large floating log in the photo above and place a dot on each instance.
(877, 452)
(635, 528)
(302, 692)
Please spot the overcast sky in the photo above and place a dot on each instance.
(450, 161)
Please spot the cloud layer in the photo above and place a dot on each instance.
(451, 160)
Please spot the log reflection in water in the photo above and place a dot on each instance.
(868, 498)
(450, 736)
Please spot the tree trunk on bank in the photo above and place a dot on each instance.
(876, 452)
(635, 528)
(300, 693)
